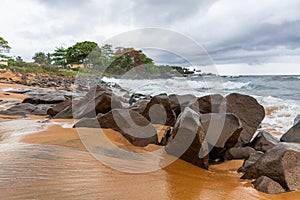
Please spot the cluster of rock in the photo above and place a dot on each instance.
(201, 130)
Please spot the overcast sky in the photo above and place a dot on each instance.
(241, 37)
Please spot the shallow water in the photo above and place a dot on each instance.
(42, 159)
(43, 171)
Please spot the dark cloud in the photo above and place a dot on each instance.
(231, 31)
(166, 12)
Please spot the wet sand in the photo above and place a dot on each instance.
(53, 163)
(45, 159)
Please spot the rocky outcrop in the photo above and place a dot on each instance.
(248, 110)
(221, 132)
(207, 104)
(292, 135)
(133, 126)
(281, 163)
(188, 141)
(267, 185)
(263, 141)
(159, 111)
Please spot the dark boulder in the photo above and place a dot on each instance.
(250, 161)
(297, 119)
(97, 100)
(239, 153)
(133, 126)
(180, 102)
(292, 135)
(248, 110)
(23, 109)
(54, 110)
(208, 104)
(159, 111)
(281, 163)
(222, 131)
(51, 98)
(167, 137)
(139, 106)
(263, 141)
(188, 141)
(267, 185)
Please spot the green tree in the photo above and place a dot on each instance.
(127, 59)
(42, 58)
(4, 48)
(107, 54)
(58, 58)
(79, 52)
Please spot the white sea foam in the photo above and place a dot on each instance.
(282, 113)
(280, 118)
(179, 85)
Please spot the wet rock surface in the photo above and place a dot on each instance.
(251, 160)
(24, 109)
(239, 153)
(292, 135)
(248, 110)
(267, 185)
(208, 104)
(159, 111)
(281, 163)
(133, 126)
(188, 142)
(221, 132)
(263, 141)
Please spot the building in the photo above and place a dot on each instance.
(2, 62)
(77, 65)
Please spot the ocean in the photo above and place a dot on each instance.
(280, 95)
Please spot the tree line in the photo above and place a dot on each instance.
(90, 55)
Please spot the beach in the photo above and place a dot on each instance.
(45, 158)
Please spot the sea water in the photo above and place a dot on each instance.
(280, 95)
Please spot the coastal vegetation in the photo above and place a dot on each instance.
(88, 57)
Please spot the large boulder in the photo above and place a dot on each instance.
(222, 131)
(23, 109)
(263, 141)
(281, 163)
(139, 106)
(180, 102)
(133, 126)
(239, 153)
(97, 100)
(267, 185)
(55, 109)
(207, 104)
(188, 141)
(51, 98)
(159, 111)
(292, 135)
(251, 160)
(248, 110)
(297, 119)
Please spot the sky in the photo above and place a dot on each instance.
(240, 37)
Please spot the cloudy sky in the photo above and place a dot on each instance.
(241, 37)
